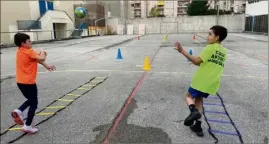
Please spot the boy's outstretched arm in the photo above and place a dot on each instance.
(48, 67)
(195, 60)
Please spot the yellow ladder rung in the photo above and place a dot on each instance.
(96, 81)
(17, 128)
(100, 77)
(83, 88)
(89, 85)
(44, 114)
(54, 107)
(73, 94)
(65, 100)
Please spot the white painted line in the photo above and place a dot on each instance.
(177, 73)
(150, 65)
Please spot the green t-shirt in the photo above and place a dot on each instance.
(208, 76)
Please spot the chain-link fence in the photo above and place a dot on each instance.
(257, 24)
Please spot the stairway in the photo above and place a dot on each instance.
(77, 32)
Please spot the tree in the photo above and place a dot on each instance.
(197, 7)
(154, 12)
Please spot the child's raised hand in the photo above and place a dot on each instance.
(178, 47)
(43, 51)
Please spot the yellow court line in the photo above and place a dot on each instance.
(70, 94)
(82, 88)
(89, 85)
(44, 114)
(65, 100)
(54, 107)
(17, 128)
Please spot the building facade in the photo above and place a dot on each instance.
(174, 8)
(142, 9)
(236, 6)
(42, 20)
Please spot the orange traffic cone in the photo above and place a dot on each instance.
(193, 37)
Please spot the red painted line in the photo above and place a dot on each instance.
(117, 120)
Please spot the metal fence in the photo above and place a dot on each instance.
(28, 24)
(7, 38)
(257, 24)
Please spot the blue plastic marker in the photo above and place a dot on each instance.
(119, 54)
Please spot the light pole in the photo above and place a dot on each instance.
(95, 22)
(217, 19)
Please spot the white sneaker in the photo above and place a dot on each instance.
(29, 129)
(18, 117)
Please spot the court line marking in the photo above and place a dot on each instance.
(118, 117)
(178, 73)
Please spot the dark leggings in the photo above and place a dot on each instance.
(30, 93)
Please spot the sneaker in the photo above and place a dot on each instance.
(191, 118)
(29, 129)
(197, 129)
(18, 117)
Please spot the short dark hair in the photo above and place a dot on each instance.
(20, 38)
(219, 31)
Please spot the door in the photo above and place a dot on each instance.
(50, 5)
(54, 30)
(42, 7)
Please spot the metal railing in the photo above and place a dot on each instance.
(28, 24)
(7, 38)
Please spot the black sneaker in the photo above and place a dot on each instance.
(197, 129)
(191, 118)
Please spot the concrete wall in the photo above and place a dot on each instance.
(66, 6)
(34, 10)
(12, 11)
(183, 24)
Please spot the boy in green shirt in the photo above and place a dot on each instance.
(208, 76)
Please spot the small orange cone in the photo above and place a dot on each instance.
(193, 37)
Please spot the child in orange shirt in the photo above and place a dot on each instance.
(26, 71)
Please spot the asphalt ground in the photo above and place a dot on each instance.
(125, 104)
